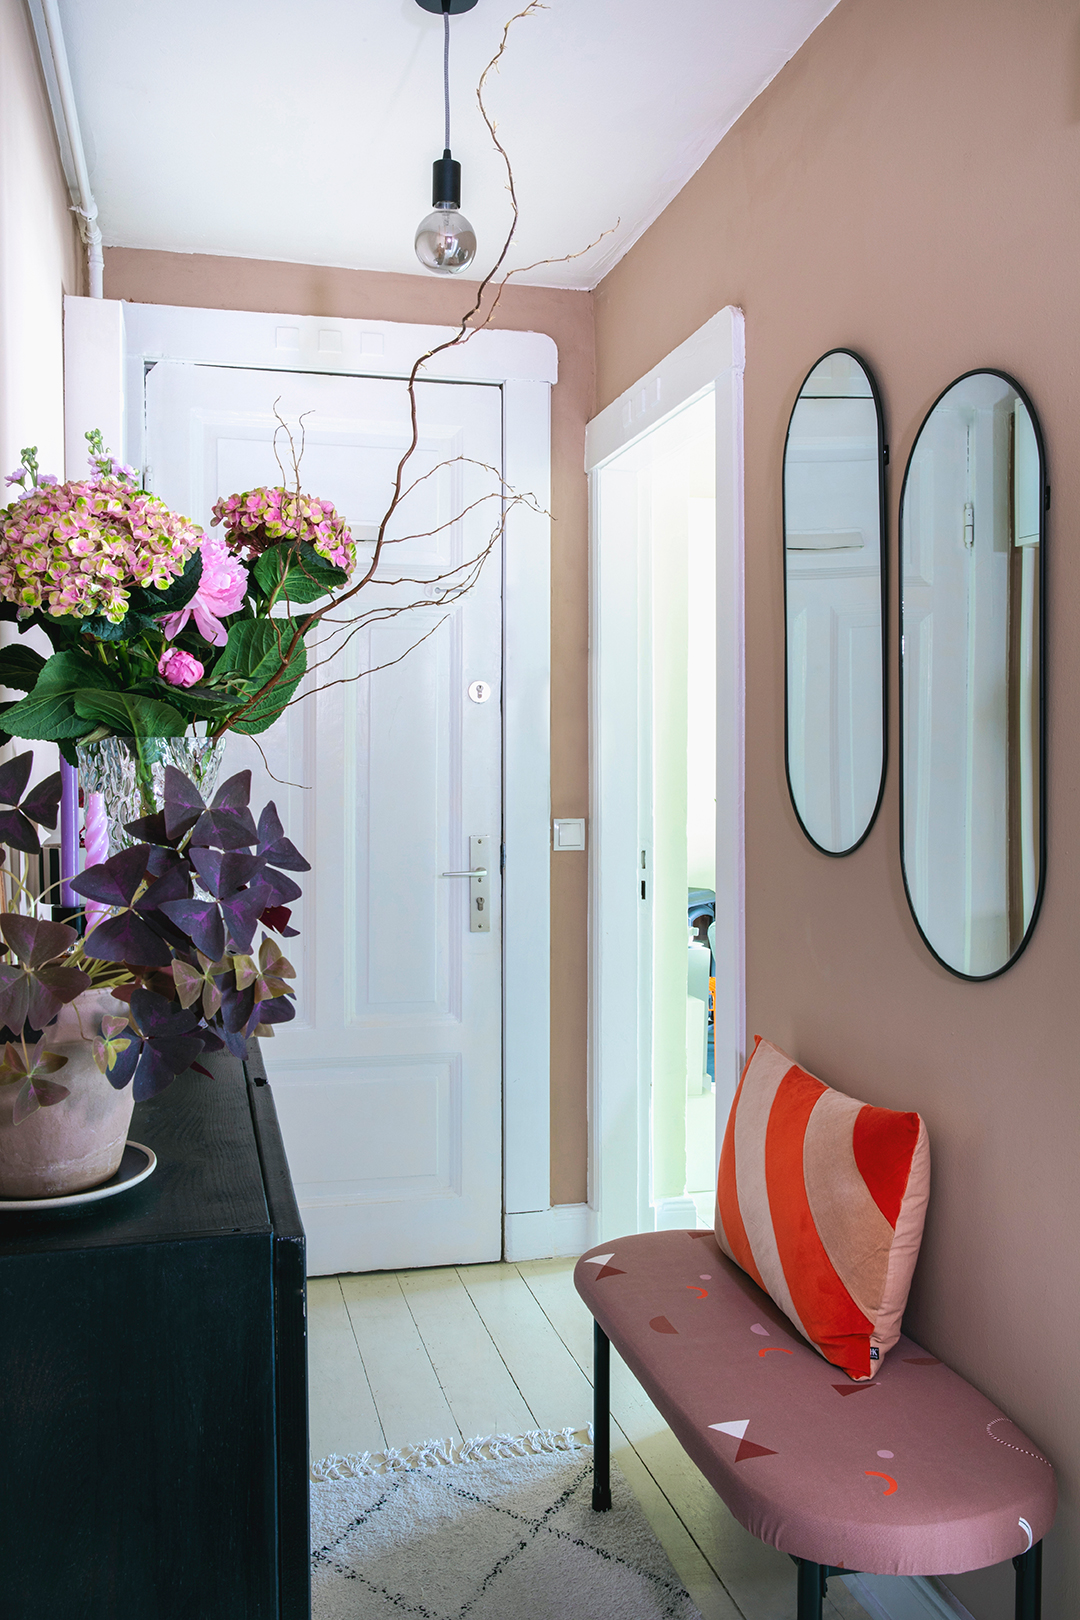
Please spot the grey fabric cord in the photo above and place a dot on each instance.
(446, 73)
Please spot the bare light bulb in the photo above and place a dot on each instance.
(445, 241)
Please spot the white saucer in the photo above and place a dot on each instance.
(137, 1163)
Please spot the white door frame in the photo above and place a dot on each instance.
(712, 360)
(108, 345)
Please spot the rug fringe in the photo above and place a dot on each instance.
(443, 1453)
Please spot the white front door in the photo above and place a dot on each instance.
(389, 1082)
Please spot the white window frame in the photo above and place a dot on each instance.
(108, 347)
(711, 360)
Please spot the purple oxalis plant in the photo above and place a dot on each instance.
(178, 947)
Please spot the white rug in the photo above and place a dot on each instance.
(495, 1529)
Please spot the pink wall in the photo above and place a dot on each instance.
(41, 257)
(207, 282)
(908, 186)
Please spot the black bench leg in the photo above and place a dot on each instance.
(601, 1491)
(1029, 1583)
(811, 1589)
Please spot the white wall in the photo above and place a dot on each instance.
(40, 255)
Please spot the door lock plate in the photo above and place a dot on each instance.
(480, 885)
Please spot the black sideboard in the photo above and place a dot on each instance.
(153, 1379)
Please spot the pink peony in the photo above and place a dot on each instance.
(221, 591)
(179, 668)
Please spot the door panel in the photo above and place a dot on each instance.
(388, 1083)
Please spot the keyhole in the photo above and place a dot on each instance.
(480, 902)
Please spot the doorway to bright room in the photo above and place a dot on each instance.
(667, 1021)
(675, 471)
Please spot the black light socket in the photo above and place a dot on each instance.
(446, 181)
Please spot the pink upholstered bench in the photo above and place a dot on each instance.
(912, 1473)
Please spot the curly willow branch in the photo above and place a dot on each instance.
(471, 322)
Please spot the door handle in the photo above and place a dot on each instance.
(477, 874)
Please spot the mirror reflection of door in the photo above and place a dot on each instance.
(971, 547)
(834, 588)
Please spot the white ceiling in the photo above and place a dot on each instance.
(304, 130)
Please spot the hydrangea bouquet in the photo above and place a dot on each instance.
(155, 626)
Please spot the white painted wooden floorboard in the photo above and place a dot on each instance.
(478, 1388)
(552, 1384)
(404, 1384)
(341, 1411)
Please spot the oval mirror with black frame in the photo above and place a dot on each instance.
(835, 583)
(972, 769)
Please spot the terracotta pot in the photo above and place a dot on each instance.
(78, 1143)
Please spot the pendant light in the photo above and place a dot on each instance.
(445, 241)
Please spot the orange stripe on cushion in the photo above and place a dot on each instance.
(831, 1318)
(884, 1143)
(730, 1231)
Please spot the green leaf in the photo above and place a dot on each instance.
(307, 576)
(20, 667)
(63, 633)
(132, 624)
(268, 709)
(202, 703)
(254, 652)
(255, 649)
(130, 715)
(48, 714)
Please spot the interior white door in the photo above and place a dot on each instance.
(389, 1081)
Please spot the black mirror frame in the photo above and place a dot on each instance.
(1044, 507)
(883, 462)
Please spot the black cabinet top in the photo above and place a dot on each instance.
(208, 1181)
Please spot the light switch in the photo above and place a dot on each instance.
(568, 834)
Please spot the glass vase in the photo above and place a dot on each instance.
(131, 788)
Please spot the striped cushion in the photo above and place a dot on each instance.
(821, 1200)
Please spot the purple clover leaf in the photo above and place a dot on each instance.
(225, 872)
(126, 937)
(32, 1069)
(235, 794)
(274, 847)
(268, 1013)
(40, 805)
(201, 921)
(183, 803)
(116, 1051)
(224, 829)
(37, 985)
(171, 1041)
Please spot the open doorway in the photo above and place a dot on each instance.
(673, 470)
(667, 1025)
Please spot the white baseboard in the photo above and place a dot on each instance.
(542, 1234)
(673, 1214)
(905, 1597)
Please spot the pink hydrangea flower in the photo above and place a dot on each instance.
(265, 516)
(221, 591)
(179, 668)
(78, 548)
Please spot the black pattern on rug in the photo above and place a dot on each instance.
(512, 1538)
